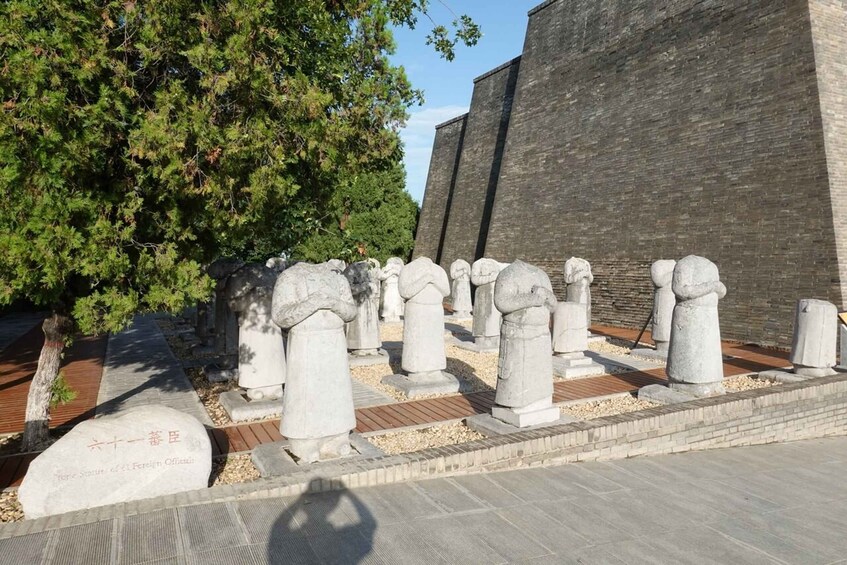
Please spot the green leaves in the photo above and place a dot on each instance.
(141, 140)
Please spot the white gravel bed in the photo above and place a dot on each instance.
(391, 332)
(233, 469)
(744, 382)
(372, 376)
(414, 440)
(608, 407)
(10, 508)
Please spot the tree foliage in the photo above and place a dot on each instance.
(141, 140)
(371, 216)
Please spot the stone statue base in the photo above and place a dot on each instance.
(239, 408)
(420, 384)
(699, 389)
(812, 372)
(575, 365)
(536, 413)
(273, 459)
(660, 394)
(380, 357)
(489, 426)
(479, 344)
(319, 449)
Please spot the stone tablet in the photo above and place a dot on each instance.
(695, 361)
(815, 334)
(460, 290)
(391, 303)
(142, 452)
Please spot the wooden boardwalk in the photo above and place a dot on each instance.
(84, 367)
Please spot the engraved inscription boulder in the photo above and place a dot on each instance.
(143, 452)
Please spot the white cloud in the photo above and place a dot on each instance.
(417, 139)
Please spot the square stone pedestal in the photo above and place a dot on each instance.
(575, 365)
(660, 394)
(273, 459)
(419, 384)
(479, 344)
(489, 426)
(536, 413)
(381, 358)
(240, 408)
(653, 354)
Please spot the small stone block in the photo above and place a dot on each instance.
(489, 426)
(218, 374)
(272, 460)
(381, 358)
(240, 408)
(660, 394)
(414, 387)
(525, 419)
(784, 377)
(364, 447)
(650, 354)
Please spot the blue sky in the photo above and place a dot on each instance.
(448, 86)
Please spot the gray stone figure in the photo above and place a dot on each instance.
(578, 279)
(226, 324)
(524, 396)
(424, 286)
(815, 332)
(261, 352)
(391, 303)
(486, 317)
(695, 361)
(335, 265)
(363, 331)
(570, 341)
(664, 300)
(314, 303)
(460, 273)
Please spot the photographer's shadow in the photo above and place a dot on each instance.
(329, 527)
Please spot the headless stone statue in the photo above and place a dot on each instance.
(314, 303)
(261, 353)
(815, 333)
(460, 273)
(391, 302)
(226, 324)
(578, 277)
(486, 317)
(695, 361)
(363, 331)
(664, 300)
(423, 285)
(335, 265)
(524, 396)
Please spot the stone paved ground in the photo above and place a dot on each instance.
(141, 369)
(782, 503)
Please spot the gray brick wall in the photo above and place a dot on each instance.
(655, 129)
(441, 177)
(479, 166)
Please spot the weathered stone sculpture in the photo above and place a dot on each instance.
(524, 396)
(815, 333)
(363, 331)
(261, 353)
(226, 325)
(335, 265)
(486, 317)
(570, 341)
(460, 273)
(695, 362)
(391, 302)
(664, 300)
(423, 285)
(314, 303)
(578, 279)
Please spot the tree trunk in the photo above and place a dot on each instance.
(55, 328)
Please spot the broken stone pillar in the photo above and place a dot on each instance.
(486, 317)
(391, 302)
(813, 349)
(578, 279)
(313, 304)
(423, 285)
(695, 361)
(261, 352)
(570, 341)
(524, 395)
(460, 273)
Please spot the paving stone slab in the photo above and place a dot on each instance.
(661, 394)
(489, 426)
(240, 409)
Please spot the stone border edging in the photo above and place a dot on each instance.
(810, 409)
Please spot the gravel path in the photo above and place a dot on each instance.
(414, 440)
